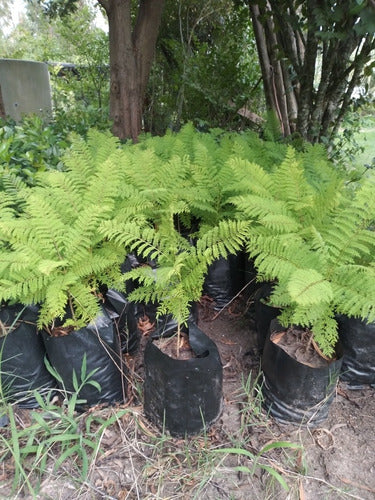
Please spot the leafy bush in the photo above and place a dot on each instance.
(30, 147)
(206, 67)
(76, 107)
(79, 118)
(37, 144)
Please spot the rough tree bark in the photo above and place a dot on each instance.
(312, 55)
(131, 52)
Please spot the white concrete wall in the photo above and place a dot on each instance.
(25, 87)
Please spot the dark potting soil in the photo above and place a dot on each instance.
(297, 343)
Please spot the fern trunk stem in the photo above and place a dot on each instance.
(178, 339)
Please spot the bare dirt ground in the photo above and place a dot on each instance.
(138, 461)
(338, 458)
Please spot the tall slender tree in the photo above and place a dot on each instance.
(133, 29)
(313, 54)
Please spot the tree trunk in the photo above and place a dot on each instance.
(264, 59)
(312, 54)
(277, 85)
(131, 53)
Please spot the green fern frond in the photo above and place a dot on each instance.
(173, 286)
(250, 178)
(355, 290)
(14, 193)
(278, 258)
(26, 291)
(227, 237)
(348, 232)
(254, 206)
(147, 290)
(86, 304)
(290, 185)
(80, 162)
(84, 234)
(55, 303)
(101, 146)
(96, 264)
(56, 254)
(271, 127)
(307, 287)
(7, 208)
(143, 240)
(66, 198)
(12, 184)
(280, 223)
(47, 266)
(319, 319)
(326, 333)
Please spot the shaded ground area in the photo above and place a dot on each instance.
(138, 461)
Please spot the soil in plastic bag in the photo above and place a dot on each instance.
(184, 396)
(224, 280)
(358, 342)
(166, 325)
(296, 392)
(176, 347)
(98, 343)
(297, 343)
(22, 356)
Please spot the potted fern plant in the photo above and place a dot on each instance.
(182, 395)
(310, 236)
(190, 172)
(54, 255)
(22, 371)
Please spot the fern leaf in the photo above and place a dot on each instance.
(307, 286)
(227, 237)
(47, 266)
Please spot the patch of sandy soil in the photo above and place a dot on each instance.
(138, 461)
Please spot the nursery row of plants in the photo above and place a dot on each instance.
(122, 225)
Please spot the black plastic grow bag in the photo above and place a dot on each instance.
(99, 344)
(224, 279)
(264, 314)
(124, 318)
(294, 392)
(22, 356)
(358, 342)
(184, 396)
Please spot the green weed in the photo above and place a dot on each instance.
(55, 433)
(256, 459)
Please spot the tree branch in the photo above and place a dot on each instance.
(104, 4)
